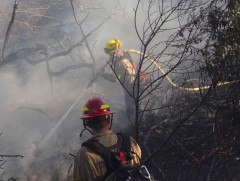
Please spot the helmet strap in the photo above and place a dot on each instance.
(111, 121)
(84, 129)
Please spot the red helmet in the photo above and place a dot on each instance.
(94, 107)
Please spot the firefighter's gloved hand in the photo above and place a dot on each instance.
(109, 77)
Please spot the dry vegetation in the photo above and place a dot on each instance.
(187, 116)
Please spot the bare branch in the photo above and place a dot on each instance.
(9, 156)
(9, 30)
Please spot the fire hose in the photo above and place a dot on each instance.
(188, 89)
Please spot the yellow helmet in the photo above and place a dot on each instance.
(112, 45)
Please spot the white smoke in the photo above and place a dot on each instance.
(30, 107)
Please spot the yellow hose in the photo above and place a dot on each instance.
(188, 89)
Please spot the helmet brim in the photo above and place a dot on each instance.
(95, 115)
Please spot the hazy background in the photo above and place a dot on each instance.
(41, 101)
(40, 113)
(29, 106)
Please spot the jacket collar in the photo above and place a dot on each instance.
(102, 133)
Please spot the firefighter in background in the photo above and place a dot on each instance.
(88, 165)
(121, 62)
(125, 70)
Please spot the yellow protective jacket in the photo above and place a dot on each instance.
(123, 67)
(89, 166)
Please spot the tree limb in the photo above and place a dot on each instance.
(9, 30)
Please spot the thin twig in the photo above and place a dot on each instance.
(85, 38)
(176, 128)
(12, 156)
(9, 30)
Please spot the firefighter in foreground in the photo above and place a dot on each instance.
(94, 161)
(124, 69)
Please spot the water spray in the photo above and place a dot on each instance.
(65, 115)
